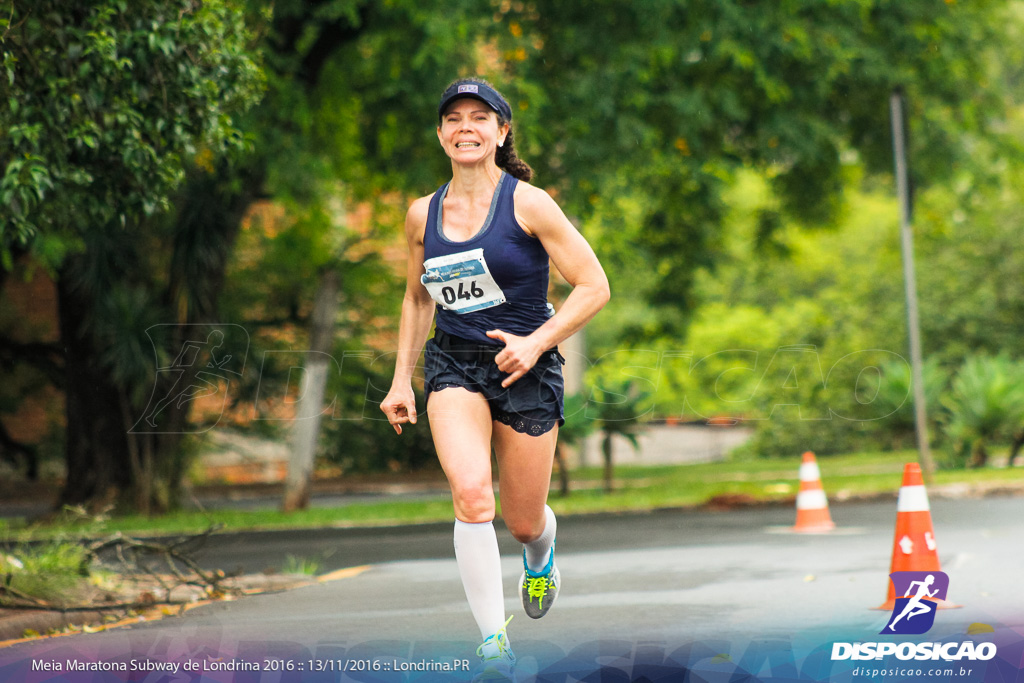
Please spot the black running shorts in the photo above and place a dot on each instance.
(532, 405)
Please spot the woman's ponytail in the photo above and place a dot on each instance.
(507, 159)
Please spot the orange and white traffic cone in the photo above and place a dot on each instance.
(812, 515)
(914, 548)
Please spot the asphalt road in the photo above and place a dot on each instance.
(716, 581)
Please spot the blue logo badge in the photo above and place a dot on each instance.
(914, 612)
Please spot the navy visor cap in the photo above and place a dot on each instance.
(479, 91)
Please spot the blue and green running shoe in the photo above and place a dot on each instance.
(498, 661)
(539, 589)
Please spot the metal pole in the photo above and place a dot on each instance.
(909, 281)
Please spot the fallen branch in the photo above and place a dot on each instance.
(173, 556)
(173, 570)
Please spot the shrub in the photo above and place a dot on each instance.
(985, 405)
(894, 396)
(54, 573)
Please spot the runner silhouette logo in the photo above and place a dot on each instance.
(208, 361)
(916, 593)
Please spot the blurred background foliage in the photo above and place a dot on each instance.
(730, 163)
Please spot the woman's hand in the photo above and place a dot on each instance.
(400, 407)
(519, 355)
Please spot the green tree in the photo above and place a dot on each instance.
(673, 97)
(101, 105)
(105, 105)
(841, 290)
(665, 101)
(894, 398)
(578, 426)
(349, 113)
(342, 77)
(616, 408)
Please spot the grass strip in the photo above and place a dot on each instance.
(636, 488)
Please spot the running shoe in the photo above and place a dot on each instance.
(498, 663)
(540, 589)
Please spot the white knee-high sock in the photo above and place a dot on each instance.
(538, 551)
(476, 552)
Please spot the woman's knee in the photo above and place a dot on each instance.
(523, 529)
(474, 504)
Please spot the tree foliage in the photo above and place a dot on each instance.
(839, 295)
(345, 134)
(108, 106)
(674, 96)
(644, 118)
(103, 103)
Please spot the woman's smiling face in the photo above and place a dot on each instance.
(469, 131)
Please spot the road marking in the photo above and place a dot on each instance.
(346, 573)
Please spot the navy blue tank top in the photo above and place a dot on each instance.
(496, 280)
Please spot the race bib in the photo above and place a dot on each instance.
(461, 282)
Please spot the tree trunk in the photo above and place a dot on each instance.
(211, 209)
(563, 471)
(1018, 443)
(10, 449)
(106, 464)
(98, 462)
(606, 450)
(306, 431)
(100, 466)
(979, 456)
(143, 487)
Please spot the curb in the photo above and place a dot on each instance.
(15, 624)
(18, 626)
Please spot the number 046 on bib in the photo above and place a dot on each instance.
(461, 282)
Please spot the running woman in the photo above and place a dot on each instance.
(479, 249)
